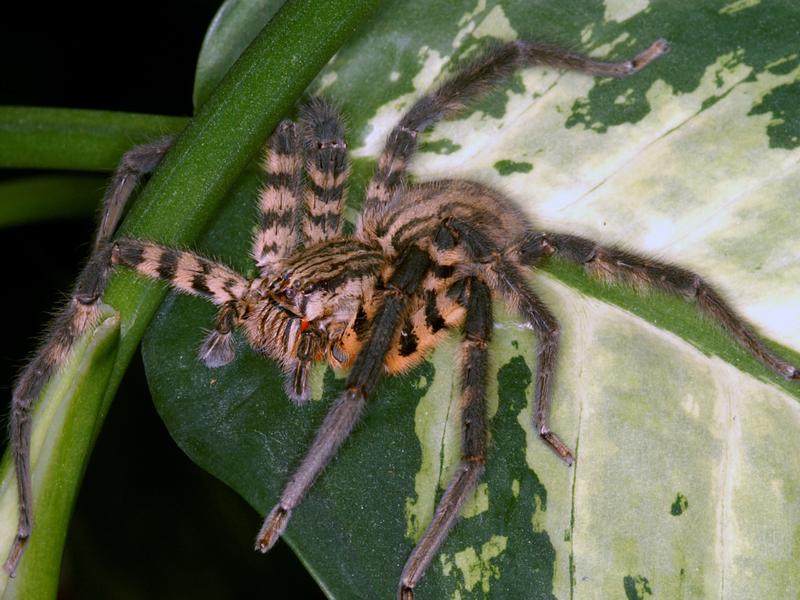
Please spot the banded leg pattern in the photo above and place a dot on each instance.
(280, 204)
(327, 168)
(474, 372)
(471, 82)
(184, 271)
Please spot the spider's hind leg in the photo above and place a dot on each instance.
(500, 270)
(77, 317)
(616, 265)
(474, 367)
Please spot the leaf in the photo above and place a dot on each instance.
(234, 26)
(687, 450)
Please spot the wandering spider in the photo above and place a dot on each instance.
(425, 258)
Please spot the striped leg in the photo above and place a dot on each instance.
(504, 277)
(185, 271)
(474, 367)
(615, 265)
(76, 318)
(276, 234)
(347, 409)
(469, 83)
(327, 168)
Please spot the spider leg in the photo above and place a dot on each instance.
(613, 264)
(133, 166)
(509, 282)
(184, 271)
(281, 214)
(503, 276)
(347, 409)
(469, 83)
(474, 365)
(71, 322)
(327, 167)
(193, 274)
(279, 206)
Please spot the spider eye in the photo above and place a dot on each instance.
(289, 293)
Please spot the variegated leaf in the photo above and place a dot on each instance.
(688, 471)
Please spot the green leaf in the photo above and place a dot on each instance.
(234, 26)
(694, 160)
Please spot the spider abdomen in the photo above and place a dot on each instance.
(414, 215)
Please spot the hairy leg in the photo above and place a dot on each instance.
(193, 274)
(347, 409)
(503, 276)
(327, 168)
(616, 265)
(280, 202)
(285, 208)
(472, 81)
(78, 316)
(509, 282)
(474, 367)
(185, 271)
(135, 164)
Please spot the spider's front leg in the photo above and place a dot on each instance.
(364, 375)
(615, 265)
(327, 167)
(474, 366)
(287, 208)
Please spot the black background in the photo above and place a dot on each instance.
(148, 523)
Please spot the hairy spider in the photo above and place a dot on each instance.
(425, 258)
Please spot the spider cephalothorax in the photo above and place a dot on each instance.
(424, 259)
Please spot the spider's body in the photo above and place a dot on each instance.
(338, 285)
(424, 258)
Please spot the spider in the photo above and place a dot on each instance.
(425, 258)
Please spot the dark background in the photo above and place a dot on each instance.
(148, 523)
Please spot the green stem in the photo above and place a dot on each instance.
(179, 200)
(73, 139)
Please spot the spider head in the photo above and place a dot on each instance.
(304, 311)
(276, 330)
(303, 297)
